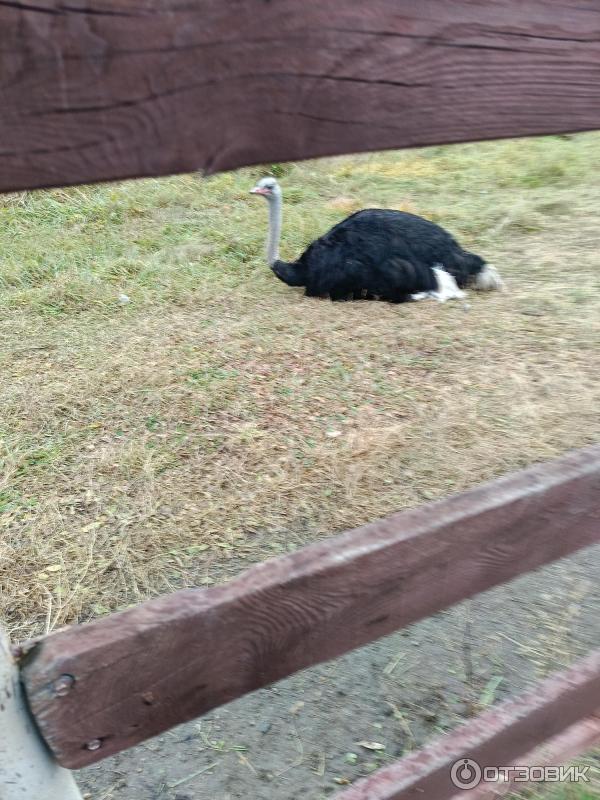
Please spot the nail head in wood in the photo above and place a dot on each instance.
(63, 685)
(95, 744)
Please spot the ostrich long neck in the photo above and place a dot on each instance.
(274, 229)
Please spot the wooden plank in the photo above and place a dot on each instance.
(144, 670)
(582, 737)
(122, 88)
(501, 737)
(27, 770)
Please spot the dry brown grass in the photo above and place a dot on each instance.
(145, 447)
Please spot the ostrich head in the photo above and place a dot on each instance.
(267, 188)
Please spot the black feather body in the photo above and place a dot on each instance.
(378, 253)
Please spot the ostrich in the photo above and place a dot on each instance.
(377, 253)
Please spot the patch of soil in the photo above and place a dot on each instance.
(300, 739)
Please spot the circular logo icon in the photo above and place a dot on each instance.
(465, 773)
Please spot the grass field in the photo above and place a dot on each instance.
(220, 417)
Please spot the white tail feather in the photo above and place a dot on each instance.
(488, 280)
(447, 286)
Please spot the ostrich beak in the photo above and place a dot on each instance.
(260, 190)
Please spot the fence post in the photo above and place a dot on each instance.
(27, 769)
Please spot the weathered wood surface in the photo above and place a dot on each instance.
(144, 670)
(122, 88)
(582, 737)
(501, 737)
(27, 770)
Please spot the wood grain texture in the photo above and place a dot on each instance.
(169, 660)
(582, 737)
(556, 711)
(112, 89)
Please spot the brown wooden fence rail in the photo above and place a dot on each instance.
(555, 714)
(293, 612)
(94, 691)
(109, 89)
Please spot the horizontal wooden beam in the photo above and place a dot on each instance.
(582, 737)
(557, 713)
(102, 687)
(118, 88)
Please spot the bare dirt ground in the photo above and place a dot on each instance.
(299, 739)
